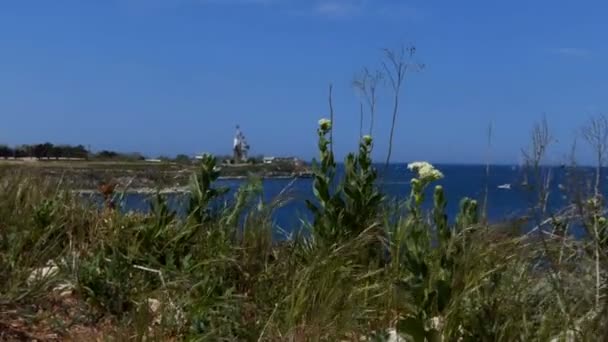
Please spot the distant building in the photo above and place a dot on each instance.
(240, 147)
(270, 160)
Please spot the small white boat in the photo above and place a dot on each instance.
(505, 186)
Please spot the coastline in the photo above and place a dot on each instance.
(86, 177)
(178, 189)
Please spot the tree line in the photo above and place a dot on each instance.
(50, 151)
(44, 151)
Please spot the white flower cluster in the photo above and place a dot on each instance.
(325, 124)
(425, 171)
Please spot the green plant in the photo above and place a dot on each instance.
(107, 280)
(362, 197)
(430, 272)
(327, 214)
(349, 206)
(202, 194)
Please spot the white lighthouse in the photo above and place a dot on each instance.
(240, 147)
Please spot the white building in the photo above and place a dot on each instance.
(268, 160)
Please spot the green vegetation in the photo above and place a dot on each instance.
(361, 268)
(49, 151)
(46, 150)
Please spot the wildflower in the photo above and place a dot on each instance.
(425, 171)
(367, 140)
(594, 202)
(325, 124)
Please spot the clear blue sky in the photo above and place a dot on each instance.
(171, 76)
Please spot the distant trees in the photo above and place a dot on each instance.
(49, 151)
(183, 159)
(112, 155)
(23, 151)
(6, 151)
(44, 151)
(105, 154)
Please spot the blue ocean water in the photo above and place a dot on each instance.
(460, 181)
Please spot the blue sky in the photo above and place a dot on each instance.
(171, 76)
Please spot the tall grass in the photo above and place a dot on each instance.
(360, 269)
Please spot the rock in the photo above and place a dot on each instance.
(64, 289)
(154, 308)
(153, 305)
(437, 323)
(393, 336)
(43, 273)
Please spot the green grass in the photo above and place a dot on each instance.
(354, 274)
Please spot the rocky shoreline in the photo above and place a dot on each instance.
(168, 189)
(143, 177)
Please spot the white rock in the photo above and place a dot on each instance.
(64, 289)
(393, 336)
(42, 273)
(437, 323)
(153, 305)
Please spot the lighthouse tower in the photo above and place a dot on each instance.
(240, 147)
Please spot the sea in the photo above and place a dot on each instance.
(505, 189)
